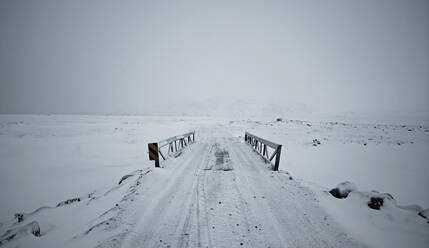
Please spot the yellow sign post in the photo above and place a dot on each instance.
(154, 153)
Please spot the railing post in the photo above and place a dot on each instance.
(265, 150)
(278, 151)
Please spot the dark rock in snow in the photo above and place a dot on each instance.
(336, 193)
(316, 142)
(376, 202)
(342, 190)
(21, 231)
(279, 119)
(35, 229)
(69, 201)
(424, 213)
(19, 217)
(124, 178)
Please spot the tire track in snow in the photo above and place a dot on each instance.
(157, 223)
(271, 235)
(254, 236)
(194, 207)
(230, 222)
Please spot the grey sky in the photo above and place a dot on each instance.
(130, 56)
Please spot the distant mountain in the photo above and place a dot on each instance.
(241, 108)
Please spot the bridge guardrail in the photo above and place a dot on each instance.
(261, 146)
(175, 146)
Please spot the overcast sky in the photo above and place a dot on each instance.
(129, 56)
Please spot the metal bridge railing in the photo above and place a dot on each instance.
(261, 146)
(175, 146)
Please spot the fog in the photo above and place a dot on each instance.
(156, 57)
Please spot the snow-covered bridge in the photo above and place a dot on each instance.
(219, 193)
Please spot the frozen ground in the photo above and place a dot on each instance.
(196, 201)
(388, 158)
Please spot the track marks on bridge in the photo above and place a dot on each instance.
(223, 195)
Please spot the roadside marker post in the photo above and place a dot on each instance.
(175, 146)
(154, 153)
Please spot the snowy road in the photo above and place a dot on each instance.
(219, 193)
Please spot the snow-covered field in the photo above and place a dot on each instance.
(45, 160)
(388, 158)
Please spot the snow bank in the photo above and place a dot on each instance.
(377, 220)
(78, 222)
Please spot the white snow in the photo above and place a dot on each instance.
(391, 226)
(387, 158)
(45, 160)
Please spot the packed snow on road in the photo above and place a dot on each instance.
(87, 181)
